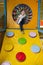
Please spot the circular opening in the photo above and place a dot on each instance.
(22, 9)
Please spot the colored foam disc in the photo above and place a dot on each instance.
(22, 40)
(20, 56)
(8, 47)
(9, 34)
(32, 34)
(6, 63)
(35, 49)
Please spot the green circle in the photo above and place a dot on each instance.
(22, 40)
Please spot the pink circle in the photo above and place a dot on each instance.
(32, 34)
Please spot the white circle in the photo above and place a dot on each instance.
(5, 63)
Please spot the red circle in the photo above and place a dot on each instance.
(20, 56)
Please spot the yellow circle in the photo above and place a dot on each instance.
(9, 47)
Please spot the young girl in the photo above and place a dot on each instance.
(21, 19)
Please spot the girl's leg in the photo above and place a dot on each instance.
(21, 27)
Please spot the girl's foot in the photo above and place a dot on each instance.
(22, 32)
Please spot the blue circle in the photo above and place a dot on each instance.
(35, 49)
(10, 34)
